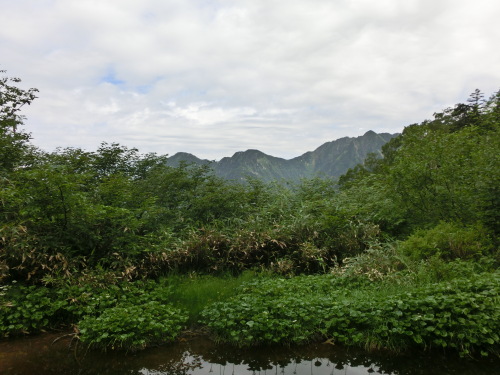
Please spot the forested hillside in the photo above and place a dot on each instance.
(75, 222)
(330, 160)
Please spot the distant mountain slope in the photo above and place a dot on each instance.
(175, 160)
(331, 159)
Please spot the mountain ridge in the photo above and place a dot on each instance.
(331, 159)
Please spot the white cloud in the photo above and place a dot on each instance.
(282, 77)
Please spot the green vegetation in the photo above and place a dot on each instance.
(448, 240)
(459, 313)
(132, 327)
(400, 252)
(195, 292)
(331, 160)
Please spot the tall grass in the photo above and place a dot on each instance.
(193, 292)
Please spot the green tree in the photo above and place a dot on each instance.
(491, 114)
(446, 169)
(14, 143)
(439, 176)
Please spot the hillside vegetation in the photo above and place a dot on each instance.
(330, 160)
(401, 251)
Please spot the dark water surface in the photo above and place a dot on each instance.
(38, 355)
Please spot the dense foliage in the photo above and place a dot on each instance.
(85, 237)
(462, 313)
(132, 327)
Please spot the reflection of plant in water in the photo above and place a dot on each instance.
(198, 355)
(177, 366)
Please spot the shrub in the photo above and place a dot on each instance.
(23, 257)
(449, 241)
(91, 297)
(461, 314)
(272, 311)
(132, 327)
(375, 263)
(26, 310)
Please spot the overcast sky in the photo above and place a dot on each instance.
(212, 77)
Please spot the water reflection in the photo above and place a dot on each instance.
(197, 356)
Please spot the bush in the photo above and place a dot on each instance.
(132, 327)
(295, 245)
(23, 257)
(271, 311)
(449, 241)
(26, 310)
(375, 263)
(462, 314)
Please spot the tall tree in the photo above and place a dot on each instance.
(13, 142)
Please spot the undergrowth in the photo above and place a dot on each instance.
(462, 314)
(427, 304)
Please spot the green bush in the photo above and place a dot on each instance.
(376, 263)
(449, 241)
(132, 327)
(270, 311)
(26, 310)
(30, 309)
(89, 299)
(462, 314)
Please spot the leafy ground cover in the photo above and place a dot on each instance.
(462, 314)
(132, 327)
(428, 305)
(112, 314)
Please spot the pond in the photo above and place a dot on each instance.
(40, 355)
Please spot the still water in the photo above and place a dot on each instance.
(39, 355)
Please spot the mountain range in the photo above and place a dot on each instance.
(332, 159)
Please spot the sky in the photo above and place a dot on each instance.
(213, 77)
